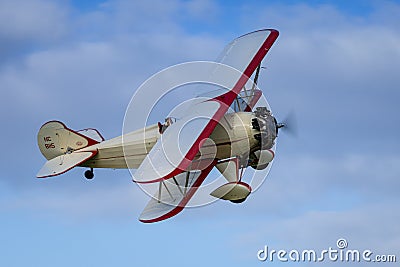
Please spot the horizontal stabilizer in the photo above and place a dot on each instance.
(64, 163)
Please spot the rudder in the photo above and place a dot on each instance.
(55, 139)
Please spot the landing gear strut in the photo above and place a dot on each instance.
(89, 174)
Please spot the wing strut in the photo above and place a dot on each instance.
(256, 78)
(176, 182)
(169, 201)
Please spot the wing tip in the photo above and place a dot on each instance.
(164, 217)
(272, 31)
(39, 175)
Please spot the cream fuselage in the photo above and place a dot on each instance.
(233, 136)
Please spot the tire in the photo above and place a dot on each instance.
(89, 174)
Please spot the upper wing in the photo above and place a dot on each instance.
(174, 152)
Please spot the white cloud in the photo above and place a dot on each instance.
(80, 200)
(27, 25)
(368, 227)
(331, 67)
(38, 20)
(337, 72)
(205, 10)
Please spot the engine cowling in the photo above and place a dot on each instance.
(265, 132)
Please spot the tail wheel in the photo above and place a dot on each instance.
(89, 174)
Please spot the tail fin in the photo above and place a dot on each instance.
(55, 139)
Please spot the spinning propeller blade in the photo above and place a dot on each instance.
(289, 124)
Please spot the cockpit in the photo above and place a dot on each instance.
(168, 121)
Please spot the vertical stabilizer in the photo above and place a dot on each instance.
(55, 139)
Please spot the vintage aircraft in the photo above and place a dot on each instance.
(232, 137)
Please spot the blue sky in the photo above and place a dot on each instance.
(335, 65)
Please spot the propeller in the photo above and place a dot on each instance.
(289, 124)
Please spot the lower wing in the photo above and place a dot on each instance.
(173, 194)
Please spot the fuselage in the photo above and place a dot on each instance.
(233, 136)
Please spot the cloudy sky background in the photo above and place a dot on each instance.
(336, 65)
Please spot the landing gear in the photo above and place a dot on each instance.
(89, 174)
(238, 201)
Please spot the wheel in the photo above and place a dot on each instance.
(89, 174)
(238, 201)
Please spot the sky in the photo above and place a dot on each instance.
(334, 66)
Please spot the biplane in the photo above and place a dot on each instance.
(232, 135)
